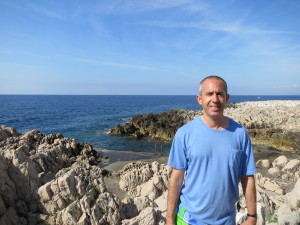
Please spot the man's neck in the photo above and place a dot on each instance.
(216, 123)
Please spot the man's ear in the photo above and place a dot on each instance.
(227, 97)
(199, 99)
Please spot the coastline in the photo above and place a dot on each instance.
(56, 180)
(270, 123)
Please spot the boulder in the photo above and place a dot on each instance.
(274, 172)
(291, 166)
(264, 163)
(280, 162)
(269, 184)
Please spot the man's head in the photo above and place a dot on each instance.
(213, 77)
(213, 96)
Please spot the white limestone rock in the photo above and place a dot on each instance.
(274, 172)
(6, 132)
(288, 216)
(280, 162)
(146, 217)
(264, 163)
(291, 166)
(144, 179)
(293, 198)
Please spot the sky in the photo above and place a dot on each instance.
(149, 47)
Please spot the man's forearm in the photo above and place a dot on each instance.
(174, 189)
(248, 184)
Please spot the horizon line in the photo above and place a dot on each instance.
(145, 94)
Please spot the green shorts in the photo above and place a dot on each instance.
(179, 217)
(184, 218)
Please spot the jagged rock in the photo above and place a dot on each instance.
(160, 126)
(161, 202)
(146, 217)
(280, 162)
(61, 190)
(22, 172)
(26, 162)
(78, 196)
(144, 179)
(268, 184)
(6, 132)
(134, 206)
(12, 218)
(45, 155)
(8, 192)
(291, 166)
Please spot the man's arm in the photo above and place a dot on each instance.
(175, 184)
(248, 184)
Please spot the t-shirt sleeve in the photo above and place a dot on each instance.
(177, 158)
(249, 167)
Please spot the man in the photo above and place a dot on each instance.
(209, 156)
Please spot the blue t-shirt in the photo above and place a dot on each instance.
(214, 161)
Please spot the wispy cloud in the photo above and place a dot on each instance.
(14, 64)
(136, 6)
(140, 6)
(236, 26)
(113, 64)
(291, 86)
(44, 11)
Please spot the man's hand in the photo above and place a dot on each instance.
(170, 221)
(249, 221)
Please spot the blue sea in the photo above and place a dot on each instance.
(88, 118)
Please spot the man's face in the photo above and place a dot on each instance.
(213, 97)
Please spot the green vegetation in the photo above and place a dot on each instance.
(67, 169)
(45, 200)
(71, 207)
(105, 210)
(46, 223)
(272, 218)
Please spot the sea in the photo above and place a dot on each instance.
(88, 118)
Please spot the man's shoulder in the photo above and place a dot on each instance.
(237, 127)
(189, 126)
(191, 123)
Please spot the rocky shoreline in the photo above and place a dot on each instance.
(50, 179)
(271, 123)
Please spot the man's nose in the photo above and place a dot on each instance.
(215, 97)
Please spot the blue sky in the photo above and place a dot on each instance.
(148, 47)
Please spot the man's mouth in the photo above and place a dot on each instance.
(215, 107)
